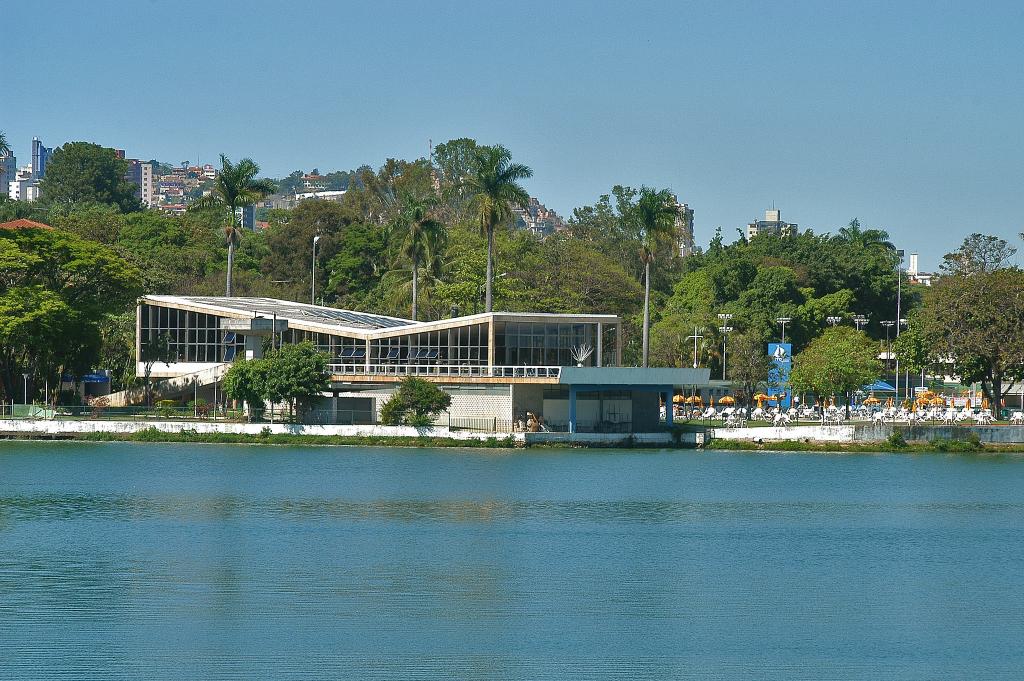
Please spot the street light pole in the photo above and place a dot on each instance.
(833, 320)
(783, 321)
(860, 320)
(888, 324)
(312, 288)
(899, 296)
(725, 329)
(25, 389)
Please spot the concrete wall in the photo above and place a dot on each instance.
(845, 433)
(59, 427)
(646, 411)
(611, 439)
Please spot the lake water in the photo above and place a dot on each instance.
(125, 561)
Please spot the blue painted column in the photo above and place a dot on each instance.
(572, 409)
(668, 407)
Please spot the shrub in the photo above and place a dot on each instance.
(896, 440)
(415, 403)
(166, 407)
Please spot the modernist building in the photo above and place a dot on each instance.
(497, 366)
(40, 158)
(772, 224)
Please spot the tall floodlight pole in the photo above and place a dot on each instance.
(899, 296)
(25, 388)
(725, 329)
(312, 288)
(783, 321)
(860, 320)
(888, 324)
(696, 336)
(833, 320)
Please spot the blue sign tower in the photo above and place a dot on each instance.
(778, 375)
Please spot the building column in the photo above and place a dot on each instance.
(618, 345)
(668, 407)
(600, 344)
(367, 362)
(490, 347)
(572, 409)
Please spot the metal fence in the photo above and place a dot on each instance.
(456, 370)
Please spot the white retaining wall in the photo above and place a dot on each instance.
(60, 427)
(844, 433)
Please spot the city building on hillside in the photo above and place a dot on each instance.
(498, 367)
(314, 182)
(140, 173)
(772, 224)
(8, 172)
(684, 229)
(40, 158)
(915, 275)
(537, 218)
(288, 201)
(24, 187)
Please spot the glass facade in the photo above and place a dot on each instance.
(543, 344)
(192, 336)
(460, 346)
(197, 337)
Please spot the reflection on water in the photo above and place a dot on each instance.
(245, 563)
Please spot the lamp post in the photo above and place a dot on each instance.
(696, 336)
(860, 320)
(833, 320)
(783, 321)
(888, 324)
(24, 394)
(725, 329)
(312, 288)
(899, 321)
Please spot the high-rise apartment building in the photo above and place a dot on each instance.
(684, 229)
(8, 172)
(772, 224)
(40, 158)
(140, 173)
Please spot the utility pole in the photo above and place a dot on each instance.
(696, 336)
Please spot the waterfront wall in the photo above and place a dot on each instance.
(58, 427)
(867, 432)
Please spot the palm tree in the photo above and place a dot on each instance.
(235, 186)
(653, 221)
(866, 238)
(422, 238)
(5, 148)
(494, 187)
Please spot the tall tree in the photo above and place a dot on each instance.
(235, 186)
(853, 233)
(837, 362)
(978, 254)
(653, 219)
(421, 238)
(82, 172)
(493, 184)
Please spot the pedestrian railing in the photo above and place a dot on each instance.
(445, 370)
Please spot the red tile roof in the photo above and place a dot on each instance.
(23, 224)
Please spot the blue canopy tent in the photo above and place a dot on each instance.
(879, 386)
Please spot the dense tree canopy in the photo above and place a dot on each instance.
(82, 173)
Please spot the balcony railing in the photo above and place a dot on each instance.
(454, 370)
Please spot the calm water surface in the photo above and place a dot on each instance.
(123, 561)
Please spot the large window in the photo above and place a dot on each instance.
(543, 344)
(461, 346)
(341, 349)
(192, 336)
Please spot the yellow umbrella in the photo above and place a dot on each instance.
(678, 399)
(984, 403)
(727, 400)
(872, 400)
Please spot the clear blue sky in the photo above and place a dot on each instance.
(907, 115)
